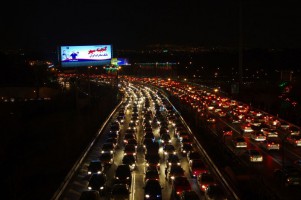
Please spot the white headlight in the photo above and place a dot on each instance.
(147, 196)
(90, 188)
(101, 188)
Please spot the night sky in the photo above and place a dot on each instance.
(45, 24)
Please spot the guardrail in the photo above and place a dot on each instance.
(78, 163)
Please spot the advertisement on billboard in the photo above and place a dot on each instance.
(79, 56)
(120, 61)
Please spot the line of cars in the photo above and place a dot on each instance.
(268, 131)
(156, 112)
(173, 126)
(169, 127)
(173, 157)
(119, 187)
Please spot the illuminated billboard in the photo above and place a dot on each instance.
(80, 56)
(120, 61)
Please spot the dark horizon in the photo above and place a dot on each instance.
(36, 25)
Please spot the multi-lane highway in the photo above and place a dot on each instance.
(147, 113)
(260, 130)
(151, 111)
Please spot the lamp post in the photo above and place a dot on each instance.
(117, 74)
(89, 84)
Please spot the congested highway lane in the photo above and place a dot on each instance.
(196, 99)
(135, 98)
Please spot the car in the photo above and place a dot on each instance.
(149, 134)
(189, 195)
(130, 149)
(152, 190)
(113, 134)
(193, 155)
(120, 191)
(174, 171)
(107, 158)
(147, 119)
(179, 185)
(289, 175)
(151, 174)
(204, 180)
(215, 192)
(123, 174)
(246, 128)
(285, 125)
(257, 136)
(156, 121)
(153, 160)
(197, 167)
(222, 114)
(147, 142)
(173, 160)
(179, 128)
(95, 166)
(227, 131)
(132, 126)
(89, 195)
(235, 119)
(211, 120)
(164, 123)
(112, 140)
(255, 122)
(270, 132)
(169, 149)
(147, 125)
(115, 127)
(254, 155)
(185, 148)
(152, 149)
(121, 117)
(165, 138)
(271, 144)
(135, 119)
(98, 182)
(107, 148)
(129, 136)
(294, 130)
(294, 140)
(163, 130)
(130, 160)
(188, 140)
(239, 142)
(133, 142)
(183, 134)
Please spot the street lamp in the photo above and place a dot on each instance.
(117, 74)
(89, 84)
